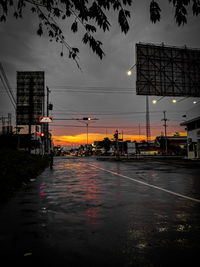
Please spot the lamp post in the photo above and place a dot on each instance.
(165, 125)
(86, 121)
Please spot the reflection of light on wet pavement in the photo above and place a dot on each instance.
(162, 229)
(92, 187)
(42, 193)
(147, 184)
(141, 245)
(43, 210)
(92, 215)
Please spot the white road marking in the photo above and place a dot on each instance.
(147, 184)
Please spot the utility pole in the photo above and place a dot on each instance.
(47, 126)
(116, 137)
(87, 132)
(48, 91)
(3, 125)
(148, 132)
(139, 131)
(86, 121)
(165, 125)
(30, 111)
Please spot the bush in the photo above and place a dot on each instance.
(17, 167)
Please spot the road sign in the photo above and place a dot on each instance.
(46, 119)
(131, 148)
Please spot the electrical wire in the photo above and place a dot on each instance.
(92, 89)
(109, 127)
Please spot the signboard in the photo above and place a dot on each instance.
(131, 148)
(46, 119)
(167, 71)
(30, 97)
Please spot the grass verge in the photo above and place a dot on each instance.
(17, 167)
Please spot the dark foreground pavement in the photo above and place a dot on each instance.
(91, 213)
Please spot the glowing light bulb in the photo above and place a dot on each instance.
(194, 102)
(154, 101)
(174, 101)
(129, 72)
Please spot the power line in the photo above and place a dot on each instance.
(104, 126)
(136, 113)
(90, 87)
(7, 86)
(95, 92)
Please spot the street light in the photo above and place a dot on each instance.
(129, 72)
(155, 101)
(86, 120)
(174, 101)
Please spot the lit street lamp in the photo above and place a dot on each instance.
(129, 72)
(86, 120)
(155, 101)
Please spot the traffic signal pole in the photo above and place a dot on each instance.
(116, 137)
(47, 134)
(87, 132)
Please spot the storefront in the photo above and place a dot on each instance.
(193, 137)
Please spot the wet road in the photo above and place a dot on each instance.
(95, 213)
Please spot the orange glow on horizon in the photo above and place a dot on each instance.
(81, 139)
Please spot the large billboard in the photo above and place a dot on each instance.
(30, 97)
(167, 70)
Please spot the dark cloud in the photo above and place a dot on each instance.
(22, 49)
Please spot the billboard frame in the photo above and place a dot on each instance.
(30, 97)
(167, 70)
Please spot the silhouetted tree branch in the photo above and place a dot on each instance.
(89, 14)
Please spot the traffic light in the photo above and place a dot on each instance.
(42, 135)
(87, 119)
(116, 134)
(50, 106)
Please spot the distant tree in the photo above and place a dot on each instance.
(88, 14)
(106, 144)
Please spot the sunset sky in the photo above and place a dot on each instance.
(102, 89)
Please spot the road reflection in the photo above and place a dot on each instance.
(42, 190)
(98, 207)
(76, 185)
(92, 197)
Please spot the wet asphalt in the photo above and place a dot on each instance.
(86, 212)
